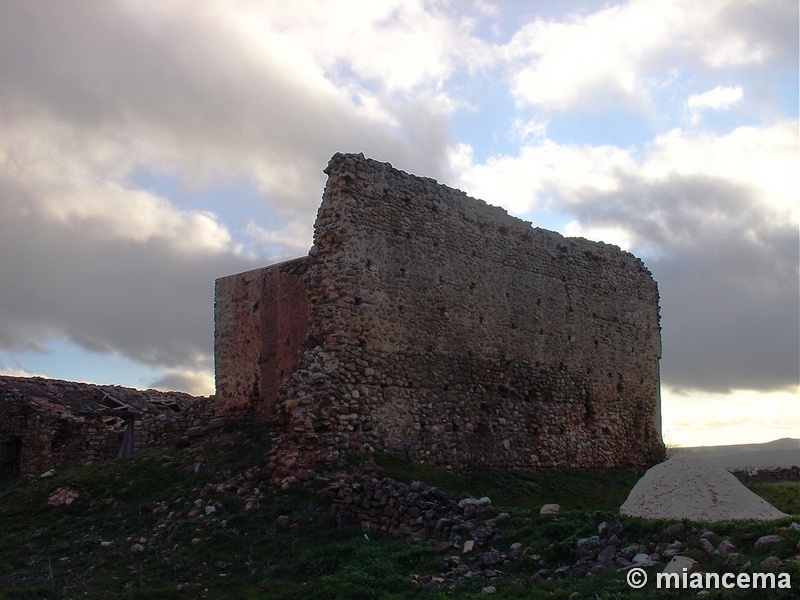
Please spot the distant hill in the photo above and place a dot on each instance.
(784, 452)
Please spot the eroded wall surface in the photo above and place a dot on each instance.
(442, 329)
(46, 423)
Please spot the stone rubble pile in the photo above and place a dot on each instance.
(414, 511)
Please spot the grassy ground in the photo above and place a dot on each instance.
(170, 524)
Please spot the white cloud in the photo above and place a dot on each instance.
(289, 241)
(618, 236)
(404, 45)
(720, 98)
(542, 171)
(615, 55)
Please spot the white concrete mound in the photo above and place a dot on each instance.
(688, 487)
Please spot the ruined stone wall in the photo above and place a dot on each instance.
(444, 330)
(58, 423)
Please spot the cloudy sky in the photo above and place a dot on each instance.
(148, 147)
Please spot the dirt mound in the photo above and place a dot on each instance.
(687, 487)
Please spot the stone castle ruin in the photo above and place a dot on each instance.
(431, 325)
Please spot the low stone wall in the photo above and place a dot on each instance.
(405, 510)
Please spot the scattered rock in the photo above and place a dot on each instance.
(679, 564)
(63, 497)
(765, 541)
(549, 509)
(196, 432)
(725, 547)
(489, 590)
(706, 546)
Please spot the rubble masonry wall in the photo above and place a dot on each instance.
(441, 329)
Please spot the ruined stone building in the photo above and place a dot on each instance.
(46, 423)
(431, 325)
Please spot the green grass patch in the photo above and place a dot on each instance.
(783, 495)
(241, 550)
(598, 489)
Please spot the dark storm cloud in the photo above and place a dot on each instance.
(148, 301)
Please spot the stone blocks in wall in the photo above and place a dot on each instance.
(432, 325)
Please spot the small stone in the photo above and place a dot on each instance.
(549, 509)
(680, 563)
(489, 590)
(725, 547)
(517, 550)
(641, 558)
(706, 546)
(606, 555)
(105, 544)
(282, 522)
(469, 545)
(491, 558)
(195, 432)
(771, 563)
(137, 548)
(421, 535)
(765, 541)
(674, 549)
(673, 531)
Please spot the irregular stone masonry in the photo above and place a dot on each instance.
(46, 423)
(434, 326)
